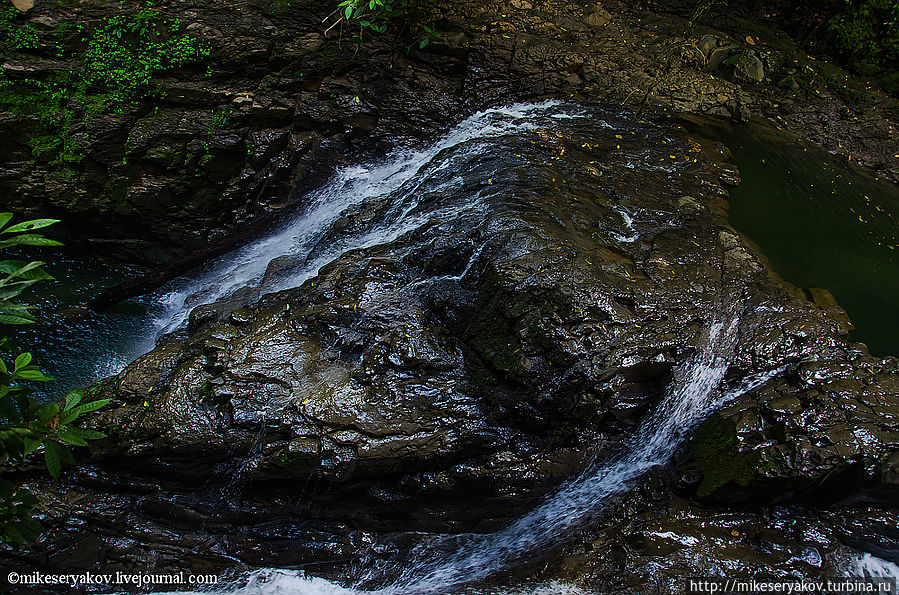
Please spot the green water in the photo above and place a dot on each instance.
(821, 224)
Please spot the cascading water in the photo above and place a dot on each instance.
(396, 186)
(870, 566)
(694, 393)
(399, 182)
(396, 190)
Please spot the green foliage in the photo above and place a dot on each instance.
(116, 59)
(376, 15)
(125, 51)
(19, 275)
(16, 36)
(866, 33)
(27, 424)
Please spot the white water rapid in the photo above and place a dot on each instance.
(396, 184)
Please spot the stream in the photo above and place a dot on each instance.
(392, 199)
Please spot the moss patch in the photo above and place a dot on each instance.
(715, 451)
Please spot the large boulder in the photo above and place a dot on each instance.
(528, 312)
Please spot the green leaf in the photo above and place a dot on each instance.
(48, 412)
(31, 445)
(13, 289)
(23, 360)
(72, 438)
(32, 374)
(4, 219)
(29, 239)
(365, 23)
(30, 225)
(87, 434)
(423, 43)
(72, 399)
(3, 366)
(92, 406)
(67, 417)
(348, 12)
(25, 270)
(8, 266)
(17, 319)
(51, 458)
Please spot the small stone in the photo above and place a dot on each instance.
(751, 68)
(788, 82)
(599, 18)
(522, 4)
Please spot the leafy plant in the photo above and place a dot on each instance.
(125, 51)
(115, 60)
(19, 274)
(867, 32)
(377, 14)
(27, 424)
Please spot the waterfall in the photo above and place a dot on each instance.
(397, 184)
(397, 180)
(865, 565)
(693, 395)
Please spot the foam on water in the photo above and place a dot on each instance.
(271, 581)
(693, 395)
(396, 185)
(870, 566)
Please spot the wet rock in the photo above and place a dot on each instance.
(825, 433)
(750, 67)
(521, 328)
(644, 547)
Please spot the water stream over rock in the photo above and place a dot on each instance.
(398, 385)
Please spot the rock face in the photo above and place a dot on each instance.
(654, 544)
(543, 284)
(824, 433)
(272, 102)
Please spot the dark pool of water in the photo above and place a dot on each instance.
(74, 346)
(821, 224)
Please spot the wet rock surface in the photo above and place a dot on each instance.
(655, 544)
(544, 286)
